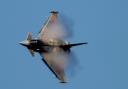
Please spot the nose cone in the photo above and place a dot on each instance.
(24, 43)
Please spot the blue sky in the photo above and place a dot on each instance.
(102, 23)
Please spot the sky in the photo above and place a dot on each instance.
(101, 23)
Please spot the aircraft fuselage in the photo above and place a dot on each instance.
(39, 46)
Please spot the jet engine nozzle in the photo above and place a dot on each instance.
(27, 43)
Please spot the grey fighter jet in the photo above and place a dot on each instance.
(50, 46)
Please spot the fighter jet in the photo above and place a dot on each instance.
(50, 45)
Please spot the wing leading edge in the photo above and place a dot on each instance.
(47, 30)
(52, 29)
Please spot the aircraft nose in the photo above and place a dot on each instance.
(24, 43)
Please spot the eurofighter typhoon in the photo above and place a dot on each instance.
(50, 45)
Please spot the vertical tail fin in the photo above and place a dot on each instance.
(29, 38)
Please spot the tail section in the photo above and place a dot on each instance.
(29, 38)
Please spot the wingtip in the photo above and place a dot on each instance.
(54, 12)
(63, 82)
